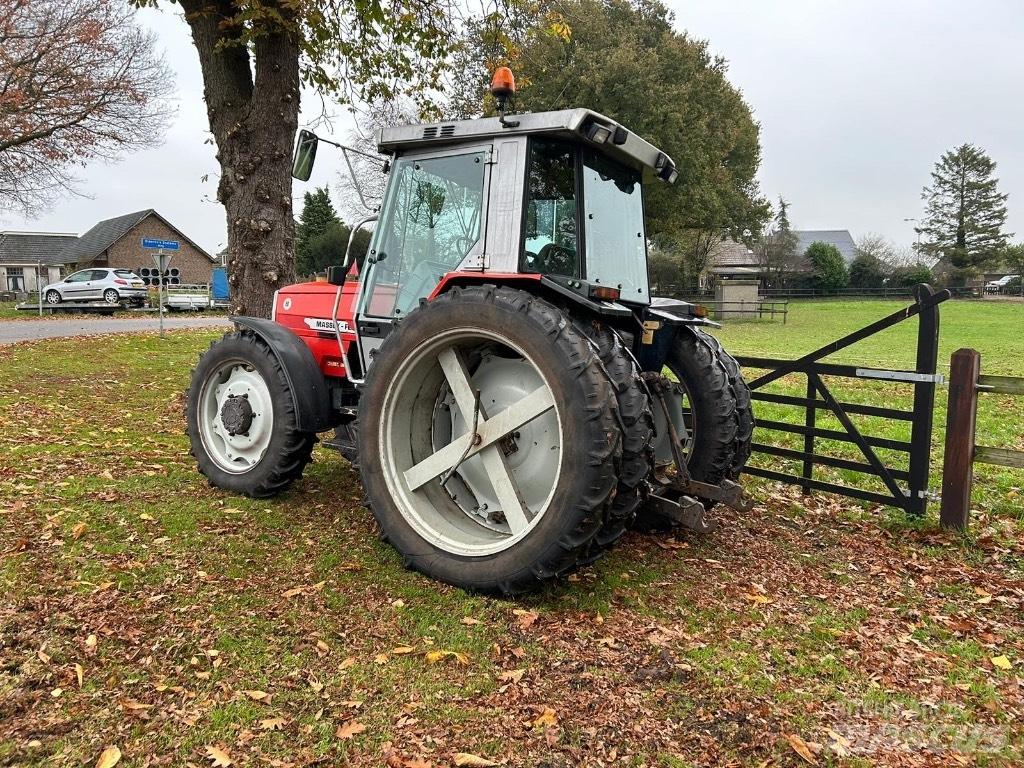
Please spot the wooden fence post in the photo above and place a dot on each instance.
(961, 416)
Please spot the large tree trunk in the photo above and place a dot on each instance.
(253, 122)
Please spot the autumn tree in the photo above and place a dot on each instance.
(79, 81)
(255, 57)
(964, 211)
(626, 60)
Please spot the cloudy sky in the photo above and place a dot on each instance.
(856, 101)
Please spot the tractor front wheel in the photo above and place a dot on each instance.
(488, 441)
(242, 420)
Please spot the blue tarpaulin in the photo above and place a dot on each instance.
(220, 284)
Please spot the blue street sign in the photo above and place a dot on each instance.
(162, 245)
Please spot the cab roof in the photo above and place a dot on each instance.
(578, 125)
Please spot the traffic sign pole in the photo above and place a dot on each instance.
(162, 261)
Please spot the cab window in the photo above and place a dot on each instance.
(80, 277)
(550, 231)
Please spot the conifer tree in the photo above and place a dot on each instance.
(964, 211)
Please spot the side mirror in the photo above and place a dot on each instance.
(305, 154)
(336, 274)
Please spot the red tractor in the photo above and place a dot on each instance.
(511, 393)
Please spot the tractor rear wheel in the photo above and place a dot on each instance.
(637, 423)
(488, 440)
(242, 420)
(744, 411)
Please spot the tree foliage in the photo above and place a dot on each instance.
(79, 81)
(625, 60)
(964, 211)
(910, 275)
(828, 269)
(321, 237)
(255, 55)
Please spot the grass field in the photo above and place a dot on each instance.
(147, 612)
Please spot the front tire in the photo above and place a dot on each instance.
(53, 296)
(523, 507)
(242, 420)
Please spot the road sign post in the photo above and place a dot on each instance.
(162, 261)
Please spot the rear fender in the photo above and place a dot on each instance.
(540, 285)
(308, 386)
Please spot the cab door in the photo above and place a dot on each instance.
(432, 223)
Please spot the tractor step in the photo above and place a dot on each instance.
(344, 442)
(688, 512)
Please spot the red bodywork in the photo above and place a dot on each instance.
(306, 308)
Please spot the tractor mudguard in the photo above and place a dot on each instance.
(310, 393)
(663, 321)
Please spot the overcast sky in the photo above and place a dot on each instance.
(856, 101)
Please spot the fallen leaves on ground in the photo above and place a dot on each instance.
(109, 757)
(349, 729)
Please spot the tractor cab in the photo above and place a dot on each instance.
(550, 197)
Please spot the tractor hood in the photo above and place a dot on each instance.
(580, 125)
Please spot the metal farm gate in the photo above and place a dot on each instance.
(906, 488)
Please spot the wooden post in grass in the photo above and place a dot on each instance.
(961, 418)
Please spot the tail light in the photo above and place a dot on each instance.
(605, 292)
(119, 281)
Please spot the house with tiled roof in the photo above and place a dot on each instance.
(732, 259)
(26, 255)
(30, 258)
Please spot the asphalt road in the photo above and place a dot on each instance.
(51, 328)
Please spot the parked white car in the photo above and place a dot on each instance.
(112, 286)
(997, 286)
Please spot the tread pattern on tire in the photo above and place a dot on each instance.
(293, 455)
(744, 410)
(590, 511)
(637, 422)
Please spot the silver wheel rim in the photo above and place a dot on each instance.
(111, 296)
(52, 297)
(240, 452)
(503, 488)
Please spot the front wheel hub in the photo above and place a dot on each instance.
(236, 415)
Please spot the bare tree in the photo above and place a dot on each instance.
(775, 249)
(79, 81)
(356, 203)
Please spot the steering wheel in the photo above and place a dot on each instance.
(555, 259)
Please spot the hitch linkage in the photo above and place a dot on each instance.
(676, 496)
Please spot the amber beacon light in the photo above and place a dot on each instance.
(503, 84)
(503, 87)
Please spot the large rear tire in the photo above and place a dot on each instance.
(637, 423)
(242, 420)
(524, 501)
(744, 411)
